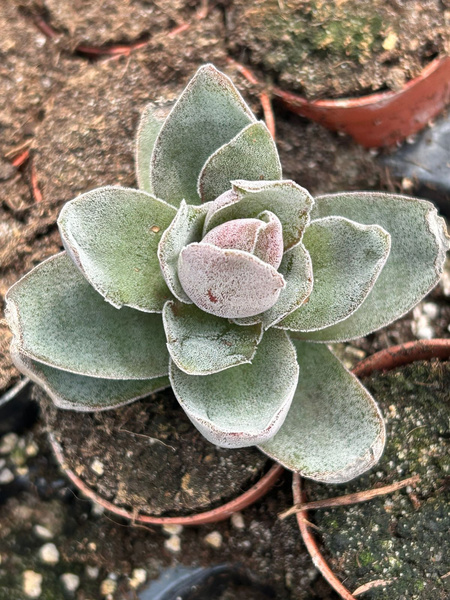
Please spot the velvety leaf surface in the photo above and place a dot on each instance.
(414, 265)
(112, 235)
(186, 228)
(297, 271)
(248, 199)
(228, 283)
(150, 125)
(57, 318)
(346, 259)
(209, 113)
(244, 405)
(201, 344)
(78, 392)
(269, 245)
(334, 430)
(251, 155)
(262, 237)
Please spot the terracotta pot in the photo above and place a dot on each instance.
(380, 119)
(257, 491)
(384, 360)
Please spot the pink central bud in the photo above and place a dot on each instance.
(261, 237)
(232, 272)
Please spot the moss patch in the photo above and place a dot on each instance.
(334, 48)
(402, 538)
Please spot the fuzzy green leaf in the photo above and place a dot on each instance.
(209, 113)
(186, 228)
(78, 392)
(152, 120)
(334, 430)
(112, 235)
(347, 259)
(244, 405)
(248, 199)
(251, 155)
(228, 283)
(202, 344)
(419, 241)
(297, 271)
(58, 319)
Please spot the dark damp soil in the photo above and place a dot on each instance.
(400, 539)
(98, 546)
(332, 49)
(148, 457)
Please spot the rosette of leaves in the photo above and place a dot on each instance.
(227, 282)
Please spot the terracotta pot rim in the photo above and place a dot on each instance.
(254, 493)
(403, 354)
(381, 118)
(366, 99)
(384, 360)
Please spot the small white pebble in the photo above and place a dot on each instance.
(138, 577)
(213, 539)
(8, 443)
(2, 463)
(31, 449)
(97, 509)
(107, 587)
(173, 529)
(70, 582)
(237, 521)
(49, 554)
(173, 544)
(97, 467)
(42, 532)
(6, 476)
(92, 572)
(32, 584)
(430, 309)
(425, 332)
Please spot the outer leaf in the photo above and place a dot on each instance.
(209, 113)
(150, 125)
(347, 259)
(418, 245)
(245, 405)
(297, 271)
(78, 392)
(228, 283)
(201, 344)
(287, 200)
(334, 430)
(185, 228)
(58, 319)
(251, 155)
(112, 235)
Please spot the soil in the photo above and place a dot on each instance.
(270, 549)
(401, 539)
(326, 49)
(153, 459)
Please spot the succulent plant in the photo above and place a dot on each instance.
(227, 282)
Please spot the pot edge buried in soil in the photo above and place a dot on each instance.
(384, 360)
